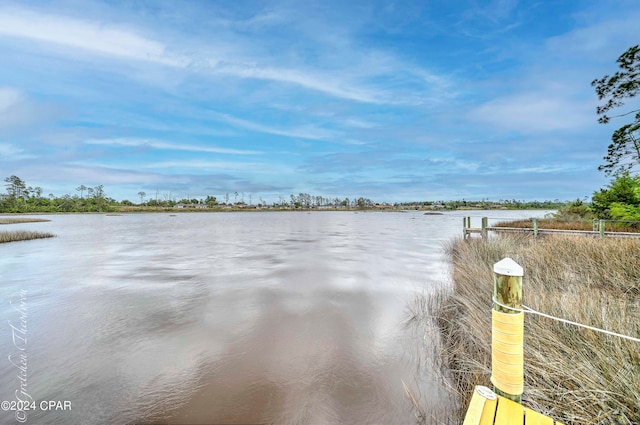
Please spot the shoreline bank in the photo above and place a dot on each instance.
(575, 375)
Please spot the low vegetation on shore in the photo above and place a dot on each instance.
(23, 235)
(15, 220)
(587, 225)
(575, 375)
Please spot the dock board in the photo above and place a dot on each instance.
(487, 408)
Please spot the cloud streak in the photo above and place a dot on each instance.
(82, 34)
(157, 144)
(534, 112)
(305, 132)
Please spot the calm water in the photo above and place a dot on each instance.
(222, 318)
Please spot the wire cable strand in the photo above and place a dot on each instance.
(529, 310)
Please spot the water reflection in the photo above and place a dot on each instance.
(300, 363)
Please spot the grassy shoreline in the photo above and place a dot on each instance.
(575, 375)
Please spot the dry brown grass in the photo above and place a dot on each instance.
(575, 375)
(22, 235)
(611, 226)
(14, 220)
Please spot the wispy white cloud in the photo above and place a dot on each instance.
(494, 10)
(563, 167)
(550, 91)
(83, 34)
(157, 144)
(535, 112)
(19, 112)
(489, 20)
(8, 98)
(355, 142)
(9, 152)
(602, 40)
(232, 58)
(261, 21)
(220, 166)
(359, 123)
(74, 173)
(303, 132)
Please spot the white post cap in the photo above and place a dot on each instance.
(508, 267)
(486, 392)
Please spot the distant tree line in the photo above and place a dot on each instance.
(21, 198)
(307, 201)
(485, 204)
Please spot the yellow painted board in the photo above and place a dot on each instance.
(481, 410)
(535, 418)
(474, 411)
(509, 413)
(489, 412)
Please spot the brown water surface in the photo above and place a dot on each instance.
(234, 318)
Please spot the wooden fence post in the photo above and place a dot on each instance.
(483, 231)
(507, 330)
(464, 227)
(535, 227)
(602, 228)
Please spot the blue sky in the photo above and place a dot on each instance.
(389, 100)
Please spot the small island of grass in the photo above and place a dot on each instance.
(23, 235)
(15, 220)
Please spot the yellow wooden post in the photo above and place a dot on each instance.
(507, 331)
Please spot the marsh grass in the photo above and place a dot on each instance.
(14, 220)
(552, 223)
(430, 408)
(575, 375)
(22, 235)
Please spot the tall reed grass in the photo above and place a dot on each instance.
(23, 235)
(575, 375)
